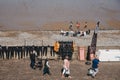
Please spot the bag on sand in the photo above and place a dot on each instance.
(90, 71)
(66, 72)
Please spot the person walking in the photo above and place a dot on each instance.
(66, 68)
(95, 65)
(46, 69)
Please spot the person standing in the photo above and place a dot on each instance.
(85, 25)
(95, 65)
(71, 25)
(32, 59)
(78, 25)
(46, 69)
(97, 27)
(66, 68)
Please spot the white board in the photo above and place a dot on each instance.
(109, 55)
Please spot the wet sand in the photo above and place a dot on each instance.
(56, 15)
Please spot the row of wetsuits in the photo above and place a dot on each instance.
(9, 52)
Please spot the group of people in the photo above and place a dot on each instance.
(77, 32)
(65, 71)
(77, 25)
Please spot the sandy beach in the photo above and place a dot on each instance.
(39, 22)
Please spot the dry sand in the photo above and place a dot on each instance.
(20, 70)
